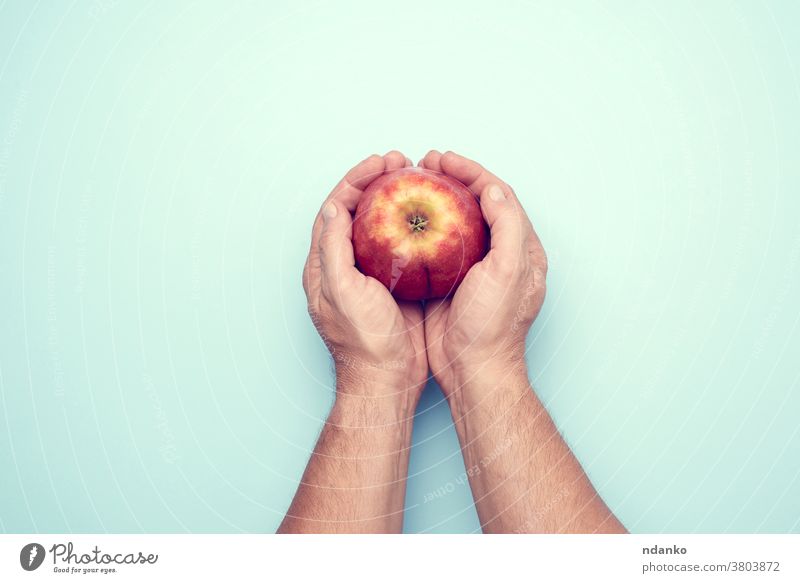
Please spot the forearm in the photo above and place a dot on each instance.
(523, 476)
(355, 480)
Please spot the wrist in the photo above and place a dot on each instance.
(379, 427)
(389, 379)
(499, 359)
(363, 379)
(373, 400)
(480, 384)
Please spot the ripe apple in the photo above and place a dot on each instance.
(418, 232)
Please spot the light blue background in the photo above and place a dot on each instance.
(160, 166)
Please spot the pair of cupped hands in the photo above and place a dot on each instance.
(383, 347)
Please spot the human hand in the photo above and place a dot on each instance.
(377, 343)
(482, 328)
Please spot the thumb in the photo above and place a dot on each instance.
(335, 244)
(507, 222)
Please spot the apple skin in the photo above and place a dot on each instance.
(418, 232)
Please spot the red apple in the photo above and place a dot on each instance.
(418, 232)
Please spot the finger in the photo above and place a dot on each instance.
(408, 162)
(509, 226)
(394, 160)
(312, 274)
(472, 174)
(347, 192)
(337, 261)
(350, 188)
(431, 161)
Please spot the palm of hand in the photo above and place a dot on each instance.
(394, 329)
(490, 312)
(467, 321)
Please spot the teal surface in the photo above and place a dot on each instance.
(160, 166)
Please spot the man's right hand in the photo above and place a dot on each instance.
(485, 323)
(523, 476)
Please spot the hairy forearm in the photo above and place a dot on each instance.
(523, 476)
(355, 480)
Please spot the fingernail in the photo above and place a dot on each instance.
(496, 193)
(329, 211)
